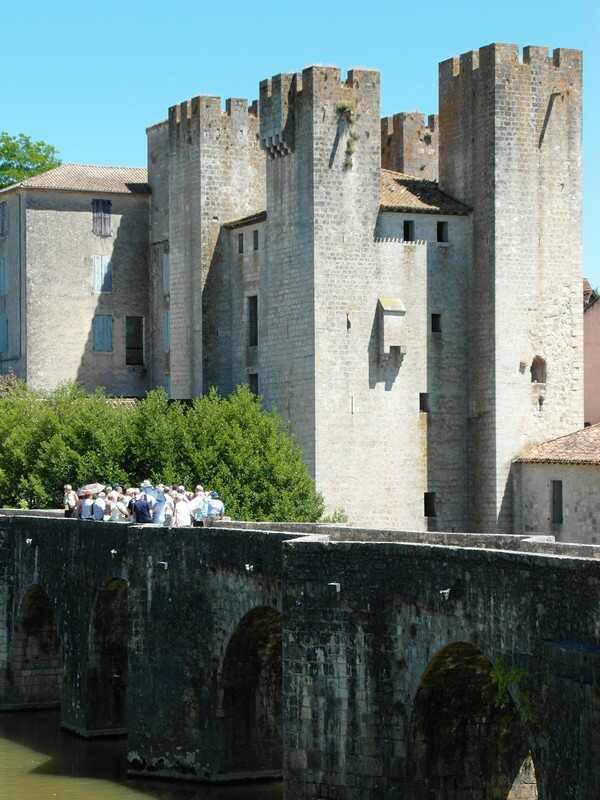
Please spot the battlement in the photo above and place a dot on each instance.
(562, 59)
(205, 110)
(409, 144)
(281, 95)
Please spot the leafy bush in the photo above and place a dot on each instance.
(230, 444)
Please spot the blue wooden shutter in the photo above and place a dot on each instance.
(3, 276)
(103, 333)
(3, 333)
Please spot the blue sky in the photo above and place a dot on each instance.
(89, 77)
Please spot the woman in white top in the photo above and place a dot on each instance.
(118, 511)
(182, 517)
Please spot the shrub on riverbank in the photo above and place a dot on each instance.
(229, 444)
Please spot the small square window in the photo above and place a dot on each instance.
(255, 239)
(408, 230)
(436, 323)
(442, 231)
(424, 402)
(240, 242)
(429, 504)
(253, 382)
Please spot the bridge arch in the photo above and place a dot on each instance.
(108, 659)
(251, 695)
(36, 659)
(467, 738)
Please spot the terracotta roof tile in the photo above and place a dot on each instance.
(400, 192)
(87, 178)
(581, 447)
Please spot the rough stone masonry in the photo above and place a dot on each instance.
(358, 664)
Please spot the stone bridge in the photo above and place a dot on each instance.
(358, 664)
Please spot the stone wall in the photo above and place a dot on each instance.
(510, 147)
(374, 636)
(61, 301)
(12, 303)
(591, 340)
(581, 501)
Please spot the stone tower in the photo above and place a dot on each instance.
(216, 173)
(510, 147)
(322, 138)
(409, 144)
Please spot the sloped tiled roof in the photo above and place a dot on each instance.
(86, 178)
(581, 447)
(400, 192)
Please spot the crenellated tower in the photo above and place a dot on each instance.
(510, 147)
(409, 144)
(321, 134)
(216, 174)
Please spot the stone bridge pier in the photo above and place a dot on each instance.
(205, 654)
(64, 637)
(424, 672)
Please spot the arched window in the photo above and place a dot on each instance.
(538, 370)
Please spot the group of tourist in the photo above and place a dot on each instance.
(173, 507)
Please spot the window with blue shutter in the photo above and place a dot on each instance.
(3, 333)
(3, 276)
(103, 333)
(102, 266)
(166, 273)
(167, 331)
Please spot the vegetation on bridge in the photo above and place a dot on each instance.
(229, 444)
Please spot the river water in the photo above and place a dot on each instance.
(38, 761)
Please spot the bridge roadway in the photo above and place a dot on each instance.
(358, 664)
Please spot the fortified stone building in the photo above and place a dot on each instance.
(406, 293)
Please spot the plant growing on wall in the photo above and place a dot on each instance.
(505, 676)
(347, 116)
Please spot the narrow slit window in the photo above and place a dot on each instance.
(167, 331)
(240, 242)
(255, 239)
(557, 502)
(408, 230)
(424, 402)
(436, 323)
(166, 272)
(134, 341)
(442, 231)
(429, 504)
(252, 321)
(253, 382)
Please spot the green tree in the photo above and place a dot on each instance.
(21, 157)
(230, 444)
